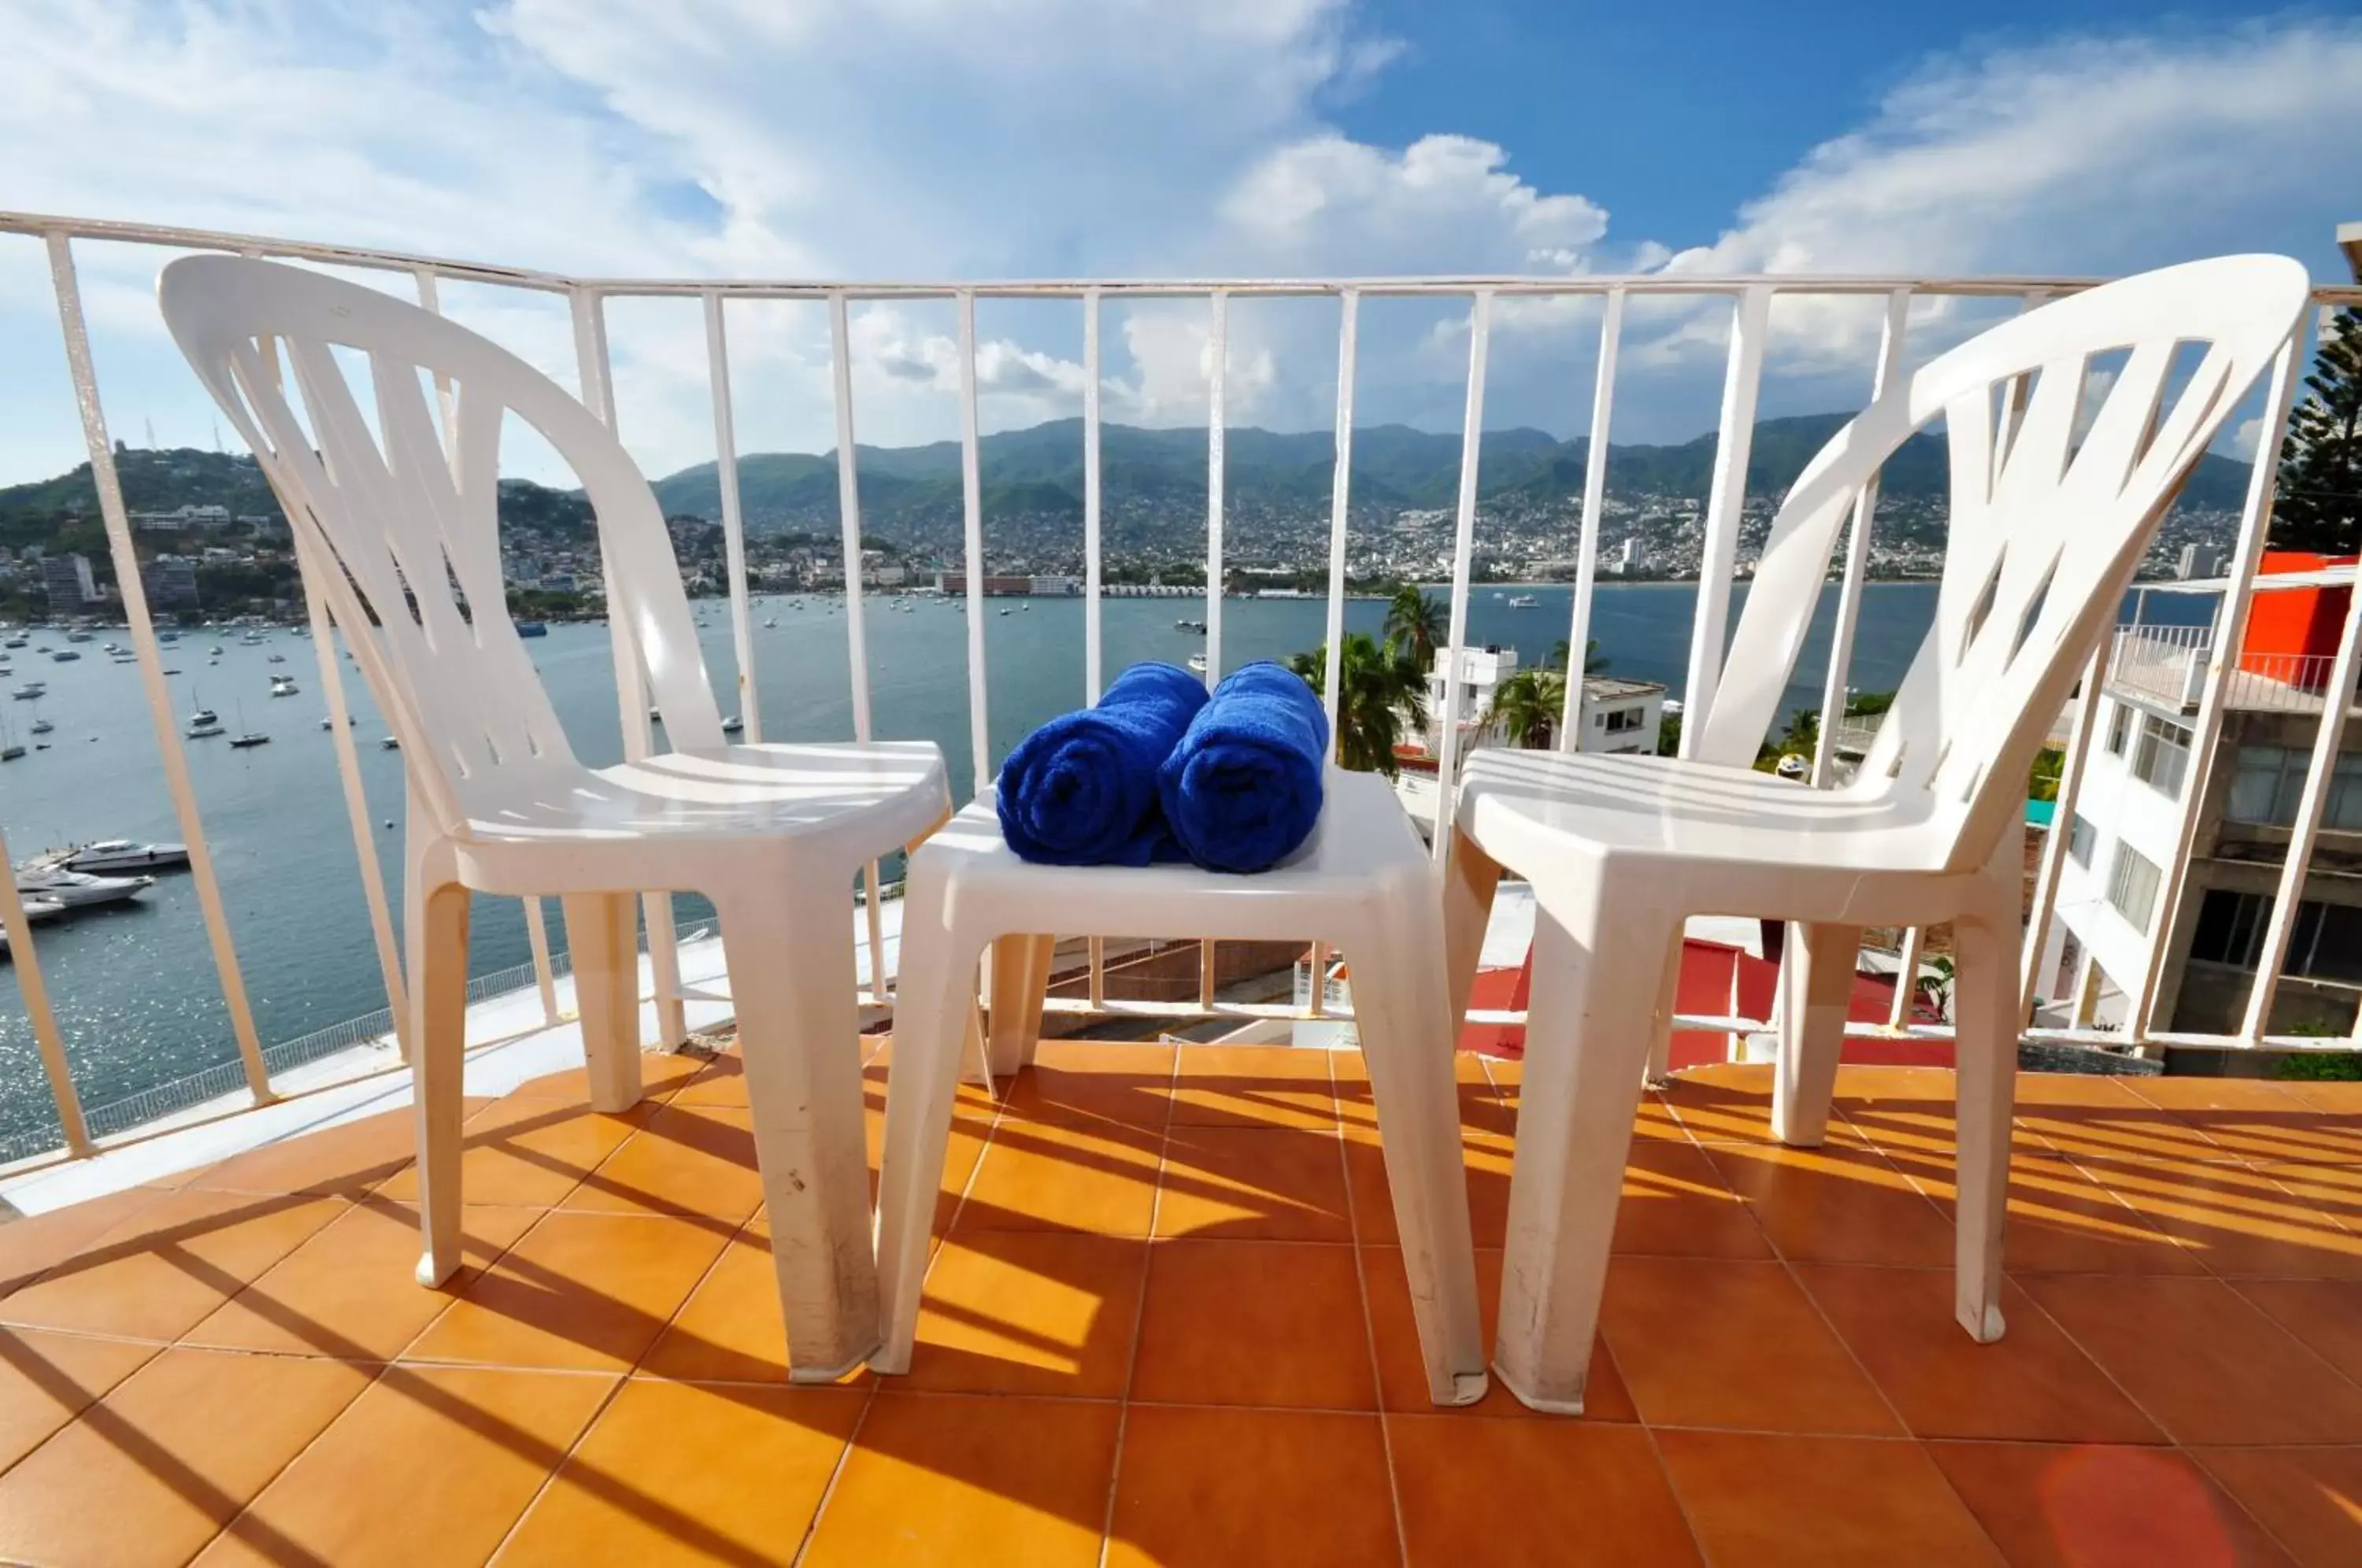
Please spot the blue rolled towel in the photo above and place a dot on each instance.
(1082, 790)
(1243, 790)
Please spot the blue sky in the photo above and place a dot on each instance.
(952, 139)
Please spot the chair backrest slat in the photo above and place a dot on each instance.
(2045, 532)
(402, 531)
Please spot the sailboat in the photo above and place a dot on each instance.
(204, 722)
(247, 737)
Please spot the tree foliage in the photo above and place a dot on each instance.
(2319, 504)
(1530, 706)
(1418, 624)
(1382, 692)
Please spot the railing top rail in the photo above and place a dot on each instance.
(1995, 286)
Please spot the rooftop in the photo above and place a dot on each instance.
(1166, 1323)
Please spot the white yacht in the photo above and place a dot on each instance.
(282, 686)
(112, 854)
(29, 691)
(1523, 600)
(1198, 663)
(733, 724)
(42, 726)
(77, 890)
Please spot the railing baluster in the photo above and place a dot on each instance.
(1835, 687)
(734, 526)
(2337, 697)
(1594, 495)
(1218, 346)
(1094, 682)
(536, 927)
(1726, 497)
(848, 507)
(2062, 826)
(1098, 972)
(1906, 979)
(36, 997)
(116, 518)
(2206, 728)
(972, 543)
(630, 683)
(1340, 495)
(1471, 432)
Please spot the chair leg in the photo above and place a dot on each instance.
(1400, 1013)
(1021, 980)
(1659, 1069)
(436, 919)
(1471, 878)
(1587, 1036)
(1985, 1033)
(1817, 988)
(601, 932)
(933, 1014)
(791, 980)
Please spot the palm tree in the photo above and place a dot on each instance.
(1530, 706)
(1419, 624)
(1381, 693)
(1593, 664)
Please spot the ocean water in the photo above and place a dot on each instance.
(135, 987)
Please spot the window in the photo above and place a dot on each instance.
(2132, 886)
(2324, 941)
(2266, 781)
(2080, 838)
(2268, 786)
(2161, 756)
(2342, 812)
(2230, 928)
(1623, 719)
(2120, 728)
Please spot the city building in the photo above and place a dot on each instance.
(2121, 912)
(2197, 561)
(1040, 585)
(1620, 715)
(70, 584)
(171, 582)
(1633, 557)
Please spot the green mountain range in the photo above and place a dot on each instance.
(1039, 470)
(911, 493)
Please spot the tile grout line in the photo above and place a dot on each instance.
(869, 1401)
(386, 1366)
(1647, 1432)
(550, 1479)
(1789, 1267)
(1139, 1313)
(1362, 1285)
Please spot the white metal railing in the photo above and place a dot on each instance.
(1752, 301)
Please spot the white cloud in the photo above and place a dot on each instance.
(945, 139)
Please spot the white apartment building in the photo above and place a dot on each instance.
(2116, 912)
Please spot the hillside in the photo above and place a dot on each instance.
(913, 493)
(1040, 469)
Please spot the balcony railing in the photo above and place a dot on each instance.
(1749, 301)
(2169, 665)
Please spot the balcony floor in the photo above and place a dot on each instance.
(1167, 1324)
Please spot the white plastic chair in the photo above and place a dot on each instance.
(1363, 880)
(2045, 536)
(399, 531)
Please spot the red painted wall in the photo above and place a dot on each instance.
(1709, 971)
(2298, 621)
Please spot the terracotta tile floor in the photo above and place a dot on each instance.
(1167, 1322)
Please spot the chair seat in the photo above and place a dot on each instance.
(1363, 846)
(734, 800)
(1528, 808)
